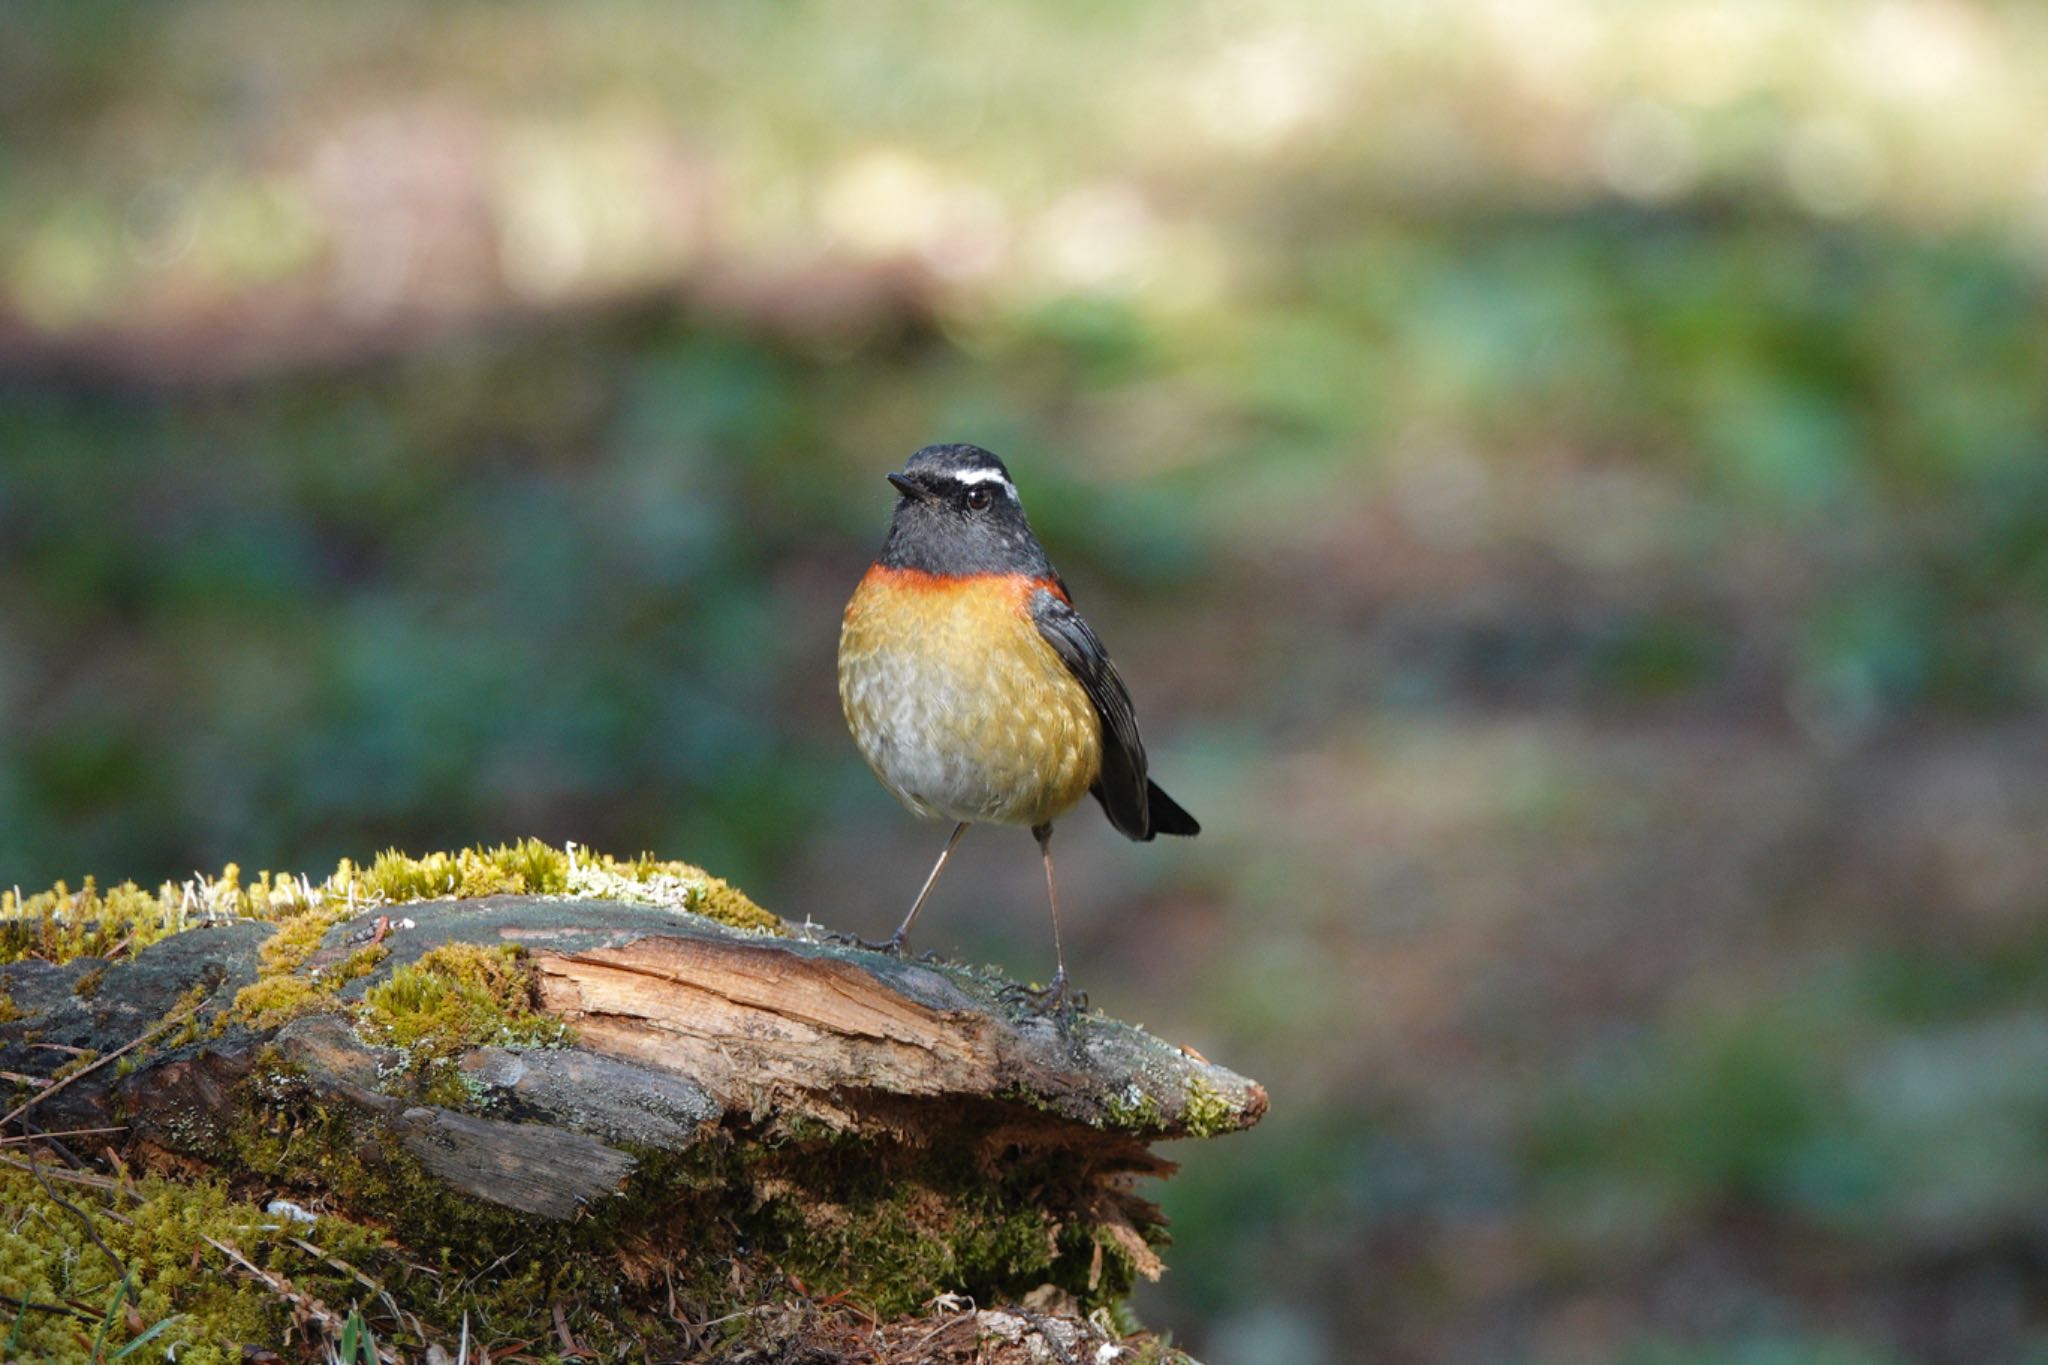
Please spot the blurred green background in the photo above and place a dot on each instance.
(1564, 478)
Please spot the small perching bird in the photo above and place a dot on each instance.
(974, 689)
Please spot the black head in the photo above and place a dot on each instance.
(959, 514)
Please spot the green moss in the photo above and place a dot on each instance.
(88, 985)
(1156, 1351)
(529, 867)
(725, 1223)
(720, 900)
(159, 1233)
(49, 926)
(356, 965)
(60, 924)
(537, 869)
(1132, 1110)
(280, 994)
(457, 997)
(272, 1001)
(890, 1226)
(9, 1011)
(298, 937)
(292, 1139)
(454, 998)
(1207, 1113)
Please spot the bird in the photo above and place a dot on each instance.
(974, 689)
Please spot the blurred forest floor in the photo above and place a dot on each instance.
(1566, 485)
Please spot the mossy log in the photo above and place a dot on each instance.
(616, 1122)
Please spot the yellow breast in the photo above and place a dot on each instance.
(959, 704)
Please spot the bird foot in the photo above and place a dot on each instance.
(1059, 999)
(893, 946)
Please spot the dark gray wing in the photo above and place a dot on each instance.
(1132, 802)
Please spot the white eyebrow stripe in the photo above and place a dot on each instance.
(974, 476)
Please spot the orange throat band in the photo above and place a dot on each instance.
(923, 580)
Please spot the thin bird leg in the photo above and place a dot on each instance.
(1043, 833)
(901, 938)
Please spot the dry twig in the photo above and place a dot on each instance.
(162, 1026)
(305, 1305)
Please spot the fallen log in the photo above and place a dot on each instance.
(603, 1109)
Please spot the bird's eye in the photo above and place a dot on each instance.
(978, 499)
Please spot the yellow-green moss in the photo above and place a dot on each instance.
(529, 867)
(1207, 1112)
(61, 924)
(356, 965)
(457, 997)
(724, 1222)
(1133, 1110)
(281, 994)
(271, 1001)
(726, 903)
(9, 1011)
(889, 1227)
(298, 937)
(1154, 1351)
(173, 1272)
(536, 869)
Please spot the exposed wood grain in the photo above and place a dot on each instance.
(757, 1023)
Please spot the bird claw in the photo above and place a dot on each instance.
(1059, 999)
(892, 947)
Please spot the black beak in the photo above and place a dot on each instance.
(909, 489)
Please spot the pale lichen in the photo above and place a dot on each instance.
(669, 885)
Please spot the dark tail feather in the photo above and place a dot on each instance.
(1167, 816)
(1158, 814)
